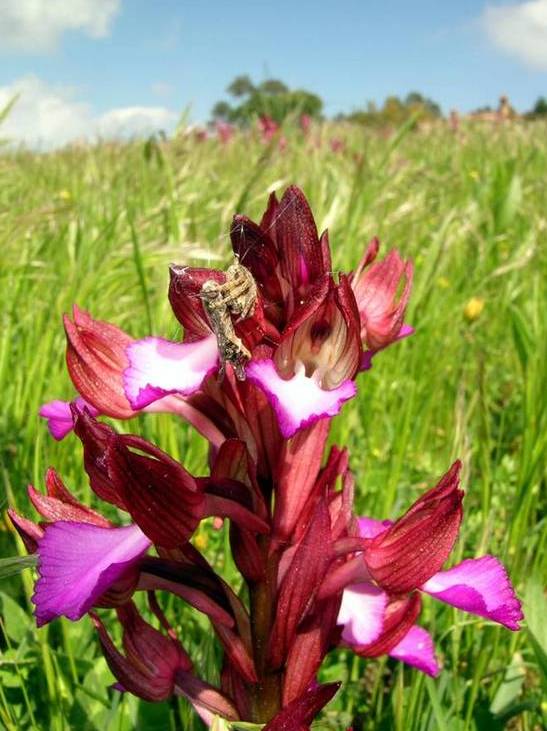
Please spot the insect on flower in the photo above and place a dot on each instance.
(236, 296)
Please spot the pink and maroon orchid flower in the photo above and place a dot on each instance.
(316, 576)
(401, 558)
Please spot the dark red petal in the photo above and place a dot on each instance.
(238, 653)
(299, 462)
(134, 677)
(261, 420)
(256, 250)
(269, 218)
(56, 488)
(325, 251)
(204, 696)
(301, 712)
(197, 585)
(309, 648)
(301, 582)
(161, 655)
(247, 554)
(162, 497)
(416, 546)
(304, 310)
(96, 360)
(234, 462)
(336, 465)
(236, 689)
(350, 354)
(224, 507)
(300, 253)
(54, 509)
(341, 507)
(184, 289)
(30, 532)
(94, 436)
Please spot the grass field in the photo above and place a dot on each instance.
(99, 225)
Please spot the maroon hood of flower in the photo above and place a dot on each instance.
(164, 500)
(416, 546)
(95, 436)
(284, 253)
(151, 661)
(185, 284)
(382, 290)
(96, 359)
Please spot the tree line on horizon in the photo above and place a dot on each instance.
(272, 98)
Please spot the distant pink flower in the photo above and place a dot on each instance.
(201, 135)
(225, 131)
(337, 145)
(305, 123)
(268, 128)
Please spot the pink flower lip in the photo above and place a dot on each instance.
(480, 586)
(78, 562)
(416, 649)
(60, 420)
(159, 367)
(298, 401)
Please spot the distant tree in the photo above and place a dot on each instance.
(417, 101)
(539, 109)
(271, 98)
(241, 86)
(395, 111)
(222, 111)
(272, 86)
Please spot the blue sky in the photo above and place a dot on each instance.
(106, 56)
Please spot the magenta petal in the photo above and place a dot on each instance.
(366, 357)
(158, 367)
(480, 586)
(78, 562)
(370, 528)
(298, 401)
(405, 332)
(417, 649)
(362, 613)
(59, 415)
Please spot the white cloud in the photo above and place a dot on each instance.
(37, 25)
(46, 116)
(519, 29)
(128, 121)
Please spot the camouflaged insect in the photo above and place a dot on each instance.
(235, 297)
